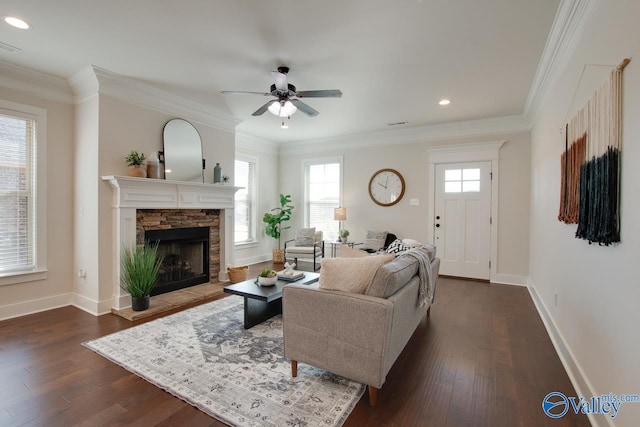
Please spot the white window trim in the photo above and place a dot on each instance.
(305, 181)
(254, 226)
(40, 250)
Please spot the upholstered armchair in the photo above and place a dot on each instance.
(307, 246)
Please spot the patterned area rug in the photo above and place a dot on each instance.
(205, 357)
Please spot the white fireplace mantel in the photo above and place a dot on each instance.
(145, 193)
(131, 193)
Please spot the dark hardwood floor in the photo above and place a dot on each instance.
(483, 358)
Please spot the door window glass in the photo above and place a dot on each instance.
(462, 180)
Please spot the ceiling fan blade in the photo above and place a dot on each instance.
(304, 108)
(260, 111)
(330, 93)
(280, 80)
(227, 92)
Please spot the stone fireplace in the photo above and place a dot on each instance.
(188, 239)
(142, 206)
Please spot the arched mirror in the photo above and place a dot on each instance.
(182, 152)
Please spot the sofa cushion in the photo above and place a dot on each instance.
(391, 277)
(431, 250)
(305, 236)
(350, 274)
(374, 240)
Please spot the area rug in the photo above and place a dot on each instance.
(204, 356)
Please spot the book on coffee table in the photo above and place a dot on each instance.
(297, 275)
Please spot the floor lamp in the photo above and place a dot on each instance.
(340, 214)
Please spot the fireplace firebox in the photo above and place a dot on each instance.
(186, 257)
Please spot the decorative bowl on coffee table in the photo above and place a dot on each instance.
(267, 281)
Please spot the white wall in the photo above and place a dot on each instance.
(598, 290)
(23, 298)
(411, 221)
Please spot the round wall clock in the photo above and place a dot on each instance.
(386, 187)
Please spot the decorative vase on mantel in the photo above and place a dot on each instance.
(137, 171)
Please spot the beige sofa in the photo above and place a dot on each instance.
(357, 336)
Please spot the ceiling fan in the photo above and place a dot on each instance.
(288, 98)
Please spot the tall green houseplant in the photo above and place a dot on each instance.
(275, 222)
(139, 271)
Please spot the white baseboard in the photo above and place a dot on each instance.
(509, 279)
(574, 371)
(91, 306)
(24, 308)
(254, 259)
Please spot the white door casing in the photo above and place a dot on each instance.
(462, 218)
(461, 153)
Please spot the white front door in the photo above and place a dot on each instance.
(462, 227)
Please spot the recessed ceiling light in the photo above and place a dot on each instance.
(16, 22)
(444, 102)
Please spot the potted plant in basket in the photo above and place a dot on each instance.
(274, 224)
(267, 277)
(344, 234)
(135, 160)
(139, 271)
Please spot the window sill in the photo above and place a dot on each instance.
(246, 245)
(22, 277)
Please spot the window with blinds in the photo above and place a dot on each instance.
(322, 196)
(245, 215)
(17, 194)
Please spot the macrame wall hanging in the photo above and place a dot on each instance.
(590, 164)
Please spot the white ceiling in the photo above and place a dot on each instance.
(393, 60)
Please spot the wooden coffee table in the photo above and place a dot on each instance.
(263, 302)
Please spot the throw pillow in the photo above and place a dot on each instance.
(350, 274)
(397, 246)
(306, 236)
(374, 240)
(345, 251)
(411, 242)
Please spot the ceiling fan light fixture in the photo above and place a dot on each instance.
(282, 108)
(288, 109)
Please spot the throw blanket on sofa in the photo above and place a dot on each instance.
(424, 274)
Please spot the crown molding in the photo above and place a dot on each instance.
(94, 80)
(250, 142)
(431, 133)
(566, 30)
(35, 83)
(481, 150)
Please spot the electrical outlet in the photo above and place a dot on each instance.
(82, 273)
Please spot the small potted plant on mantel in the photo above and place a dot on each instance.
(267, 277)
(139, 271)
(274, 224)
(134, 161)
(344, 234)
